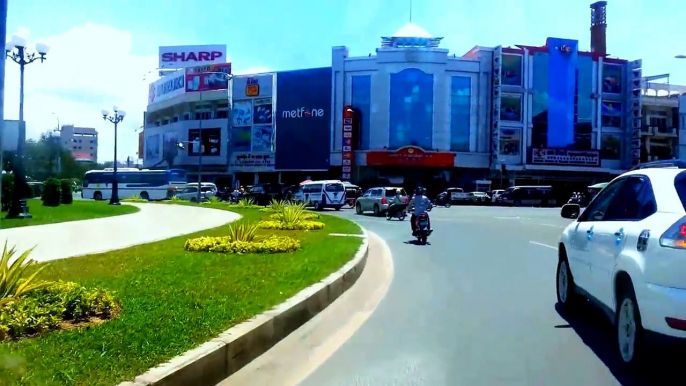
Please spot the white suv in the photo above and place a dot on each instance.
(626, 252)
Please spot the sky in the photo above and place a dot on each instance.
(104, 53)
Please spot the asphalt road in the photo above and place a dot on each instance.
(477, 307)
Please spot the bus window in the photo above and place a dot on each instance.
(177, 175)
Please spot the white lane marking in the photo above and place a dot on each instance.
(506, 218)
(345, 235)
(542, 245)
(552, 226)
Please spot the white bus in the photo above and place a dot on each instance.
(146, 184)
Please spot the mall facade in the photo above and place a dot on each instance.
(412, 113)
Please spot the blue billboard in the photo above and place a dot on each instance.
(303, 119)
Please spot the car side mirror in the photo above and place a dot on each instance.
(570, 211)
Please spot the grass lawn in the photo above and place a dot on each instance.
(172, 301)
(78, 210)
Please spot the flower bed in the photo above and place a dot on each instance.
(225, 244)
(291, 226)
(305, 216)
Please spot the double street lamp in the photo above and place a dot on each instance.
(116, 117)
(201, 149)
(15, 49)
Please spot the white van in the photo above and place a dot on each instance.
(321, 194)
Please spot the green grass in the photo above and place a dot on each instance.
(172, 301)
(78, 210)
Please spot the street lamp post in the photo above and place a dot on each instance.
(201, 149)
(116, 117)
(15, 49)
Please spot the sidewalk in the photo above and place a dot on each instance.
(153, 222)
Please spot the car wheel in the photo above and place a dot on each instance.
(145, 196)
(628, 324)
(565, 287)
(358, 208)
(337, 208)
(97, 196)
(376, 210)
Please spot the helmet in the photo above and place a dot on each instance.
(424, 191)
(419, 190)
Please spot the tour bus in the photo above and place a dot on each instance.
(146, 184)
(321, 194)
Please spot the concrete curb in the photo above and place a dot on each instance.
(216, 360)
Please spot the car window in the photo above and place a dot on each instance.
(207, 189)
(391, 192)
(376, 193)
(334, 187)
(597, 208)
(190, 190)
(634, 201)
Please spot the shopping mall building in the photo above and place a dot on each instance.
(410, 113)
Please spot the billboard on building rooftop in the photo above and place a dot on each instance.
(303, 119)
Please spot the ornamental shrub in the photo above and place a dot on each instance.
(48, 308)
(303, 216)
(224, 244)
(291, 226)
(51, 192)
(66, 191)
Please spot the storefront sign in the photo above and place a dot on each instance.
(168, 87)
(252, 87)
(565, 157)
(410, 156)
(252, 162)
(348, 154)
(207, 78)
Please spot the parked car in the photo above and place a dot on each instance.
(626, 253)
(377, 200)
(495, 196)
(458, 196)
(479, 198)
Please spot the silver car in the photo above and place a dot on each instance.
(378, 200)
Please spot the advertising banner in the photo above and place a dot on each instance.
(176, 57)
(251, 162)
(303, 119)
(242, 113)
(253, 86)
(262, 111)
(348, 153)
(410, 156)
(168, 87)
(262, 138)
(565, 157)
(152, 147)
(208, 78)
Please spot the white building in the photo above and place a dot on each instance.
(82, 142)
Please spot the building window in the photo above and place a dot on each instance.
(510, 141)
(222, 114)
(460, 106)
(186, 116)
(611, 114)
(361, 102)
(203, 115)
(165, 122)
(411, 109)
(511, 107)
(210, 139)
(512, 70)
(611, 147)
(175, 119)
(612, 78)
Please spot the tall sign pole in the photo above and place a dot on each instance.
(3, 36)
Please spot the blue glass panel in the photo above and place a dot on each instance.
(460, 104)
(562, 67)
(540, 101)
(361, 101)
(411, 109)
(583, 127)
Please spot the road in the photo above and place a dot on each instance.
(476, 307)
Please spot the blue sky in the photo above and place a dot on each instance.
(115, 42)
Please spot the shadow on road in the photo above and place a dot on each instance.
(663, 360)
(416, 242)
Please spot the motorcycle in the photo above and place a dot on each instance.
(442, 200)
(396, 211)
(422, 231)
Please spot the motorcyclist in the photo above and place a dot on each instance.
(421, 203)
(393, 208)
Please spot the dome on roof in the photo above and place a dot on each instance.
(411, 30)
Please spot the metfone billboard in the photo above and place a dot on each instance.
(303, 119)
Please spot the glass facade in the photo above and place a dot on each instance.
(539, 138)
(549, 95)
(460, 105)
(361, 102)
(411, 109)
